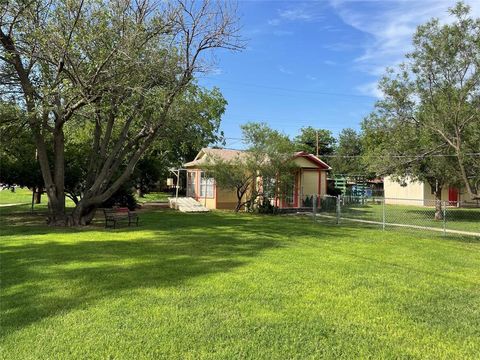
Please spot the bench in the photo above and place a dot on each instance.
(119, 214)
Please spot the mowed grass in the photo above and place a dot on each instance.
(19, 196)
(235, 286)
(155, 197)
(464, 219)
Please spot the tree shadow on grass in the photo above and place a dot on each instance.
(50, 276)
(33, 274)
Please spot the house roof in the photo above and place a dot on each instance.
(229, 154)
(224, 154)
(314, 159)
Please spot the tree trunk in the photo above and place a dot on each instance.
(38, 195)
(82, 215)
(140, 192)
(239, 206)
(438, 203)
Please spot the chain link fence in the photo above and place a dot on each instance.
(393, 213)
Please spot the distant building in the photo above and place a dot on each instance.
(310, 178)
(420, 193)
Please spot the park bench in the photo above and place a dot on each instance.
(115, 215)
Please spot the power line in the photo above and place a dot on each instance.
(397, 156)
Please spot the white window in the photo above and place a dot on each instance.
(206, 186)
(191, 184)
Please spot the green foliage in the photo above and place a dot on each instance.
(307, 141)
(123, 197)
(266, 159)
(427, 125)
(348, 154)
(193, 123)
(18, 163)
(109, 80)
(266, 207)
(270, 152)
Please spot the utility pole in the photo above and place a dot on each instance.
(316, 133)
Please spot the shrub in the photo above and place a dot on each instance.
(124, 197)
(266, 207)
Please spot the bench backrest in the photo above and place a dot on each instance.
(109, 213)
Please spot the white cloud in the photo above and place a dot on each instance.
(390, 26)
(216, 71)
(329, 62)
(370, 89)
(303, 12)
(310, 77)
(284, 70)
(274, 22)
(296, 14)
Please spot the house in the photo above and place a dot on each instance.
(420, 193)
(310, 178)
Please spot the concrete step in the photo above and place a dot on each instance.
(186, 204)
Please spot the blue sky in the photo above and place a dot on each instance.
(314, 63)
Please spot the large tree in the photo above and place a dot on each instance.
(348, 157)
(315, 141)
(430, 113)
(435, 93)
(390, 150)
(197, 124)
(116, 68)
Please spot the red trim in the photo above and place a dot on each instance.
(313, 159)
(295, 191)
(326, 185)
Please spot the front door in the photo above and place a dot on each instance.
(453, 196)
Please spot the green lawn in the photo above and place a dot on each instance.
(20, 201)
(226, 286)
(154, 197)
(20, 196)
(465, 219)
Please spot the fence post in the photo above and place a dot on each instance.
(314, 208)
(444, 218)
(383, 214)
(338, 209)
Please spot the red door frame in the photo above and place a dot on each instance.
(295, 191)
(452, 196)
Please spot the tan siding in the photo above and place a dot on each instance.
(209, 202)
(323, 183)
(413, 193)
(226, 205)
(304, 163)
(309, 182)
(430, 198)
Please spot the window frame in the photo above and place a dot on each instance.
(209, 189)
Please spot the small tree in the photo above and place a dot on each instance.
(236, 174)
(265, 162)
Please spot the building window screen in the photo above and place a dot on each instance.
(191, 184)
(206, 186)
